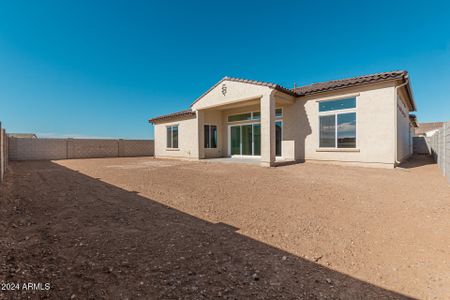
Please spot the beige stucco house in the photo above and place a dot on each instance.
(362, 120)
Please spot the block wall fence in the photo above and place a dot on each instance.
(45, 149)
(3, 152)
(439, 145)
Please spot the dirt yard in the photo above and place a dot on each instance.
(140, 228)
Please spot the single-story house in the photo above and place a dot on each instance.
(361, 120)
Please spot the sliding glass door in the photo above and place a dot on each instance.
(256, 139)
(235, 140)
(246, 139)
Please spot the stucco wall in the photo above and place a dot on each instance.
(404, 139)
(375, 119)
(213, 117)
(296, 128)
(188, 139)
(234, 92)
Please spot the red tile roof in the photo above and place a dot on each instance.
(183, 113)
(262, 83)
(348, 82)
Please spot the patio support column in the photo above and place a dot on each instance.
(201, 133)
(267, 130)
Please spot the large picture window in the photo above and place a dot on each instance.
(172, 136)
(337, 123)
(210, 136)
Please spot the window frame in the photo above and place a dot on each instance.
(171, 147)
(210, 136)
(336, 113)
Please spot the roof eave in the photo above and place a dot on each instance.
(172, 117)
(410, 94)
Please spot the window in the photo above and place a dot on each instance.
(278, 113)
(328, 131)
(337, 123)
(172, 136)
(256, 115)
(337, 104)
(278, 137)
(346, 130)
(210, 136)
(240, 117)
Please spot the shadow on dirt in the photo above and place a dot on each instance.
(416, 161)
(93, 240)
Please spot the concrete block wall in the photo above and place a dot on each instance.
(37, 149)
(47, 149)
(86, 148)
(439, 145)
(447, 151)
(441, 151)
(136, 148)
(3, 153)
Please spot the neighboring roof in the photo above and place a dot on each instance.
(183, 113)
(413, 120)
(23, 135)
(255, 82)
(426, 127)
(333, 85)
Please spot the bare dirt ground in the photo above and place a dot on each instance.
(140, 228)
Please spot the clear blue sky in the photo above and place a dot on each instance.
(102, 68)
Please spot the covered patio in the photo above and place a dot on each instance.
(246, 128)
